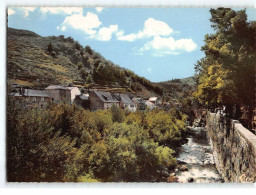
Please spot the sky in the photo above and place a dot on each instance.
(159, 44)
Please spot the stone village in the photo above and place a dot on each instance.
(92, 100)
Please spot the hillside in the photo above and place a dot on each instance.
(178, 89)
(35, 61)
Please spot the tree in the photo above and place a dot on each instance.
(50, 47)
(117, 114)
(226, 73)
(83, 73)
(79, 65)
(88, 50)
(89, 79)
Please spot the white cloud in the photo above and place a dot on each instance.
(130, 37)
(161, 46)
(27, 10)
(10, 11)
(62, 10)
(99, 9)
(105, 33)
(164, 53)
(63, 28)
(88, 23)
(152, 27)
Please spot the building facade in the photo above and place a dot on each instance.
(101, 100)
(62, 94)
(83, 101)
(33, 98)
(125, 102)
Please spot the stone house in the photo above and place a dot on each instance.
(74, 91)
(83, 101)
(62, 94)
(149, 104)
(125, 102)
(101, 100)
(140, 103)
(32, 98)
(155, 100)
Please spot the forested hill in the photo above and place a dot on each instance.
(36, 61)
(178, 89)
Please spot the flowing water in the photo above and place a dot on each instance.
(196, 156)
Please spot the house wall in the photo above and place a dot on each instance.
(107, 105)
(84, 103)
(131, 107)
(34, 101)
(95, 102)
(59, 95)
(159, 101)
(234, 148)
(74, 92)
(141, 106)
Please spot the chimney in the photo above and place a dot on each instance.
(21, 91)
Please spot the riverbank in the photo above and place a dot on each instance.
(195, 160)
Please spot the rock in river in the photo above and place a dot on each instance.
(190, 179)
(173, 179)
(183, 168)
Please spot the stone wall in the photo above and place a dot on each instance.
(234, 148)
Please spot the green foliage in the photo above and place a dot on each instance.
(79, 65)
(83, 73)
(59, 67)
(105, 72)
(88, 50)
(50, 47)
(117, 114)
(65, 143)
(226, 73)
(165, 127)
(89, 79)
(78, 46)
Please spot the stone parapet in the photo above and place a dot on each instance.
(234, 148)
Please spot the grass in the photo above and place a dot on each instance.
(22, 82)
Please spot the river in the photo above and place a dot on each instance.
(195, 159)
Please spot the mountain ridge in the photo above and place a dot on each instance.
(36, 61)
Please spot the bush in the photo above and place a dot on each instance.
(65, 143)
(117, 114)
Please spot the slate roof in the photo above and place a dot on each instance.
(32, 93)
(36, 93)
(84, 97)
(59, 87)
(105, 96)
(137, 100)
(152, 99)
(71, 88)
(124, 98)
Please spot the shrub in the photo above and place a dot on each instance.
(117, 114)
(65, 143)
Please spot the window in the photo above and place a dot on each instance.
(132, 106)
(34, 99)
(105, 97)
(42, 99)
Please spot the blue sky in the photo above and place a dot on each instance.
(157, 43)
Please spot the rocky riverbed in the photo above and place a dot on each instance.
(195, 160)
